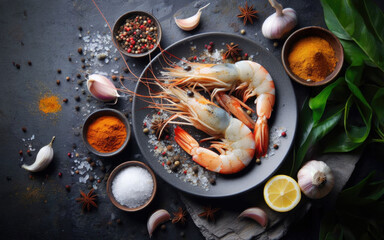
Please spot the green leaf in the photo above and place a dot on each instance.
(376, 18)
(346, 23)
(318, 103)
(378, 105)
(318, 131)
(353, 53)
(339, 141)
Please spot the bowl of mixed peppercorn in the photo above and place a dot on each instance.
(137, 34)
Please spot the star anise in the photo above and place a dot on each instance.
(233, 51)
(158, 127)
(87, 200)
(179, 216)
(247, 13)
(209, 213)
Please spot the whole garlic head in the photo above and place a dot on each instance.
(315, 179)
(280, 23)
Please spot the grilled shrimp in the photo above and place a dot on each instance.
(248, 77)
(236, 146)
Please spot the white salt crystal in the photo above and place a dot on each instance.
(132, 186)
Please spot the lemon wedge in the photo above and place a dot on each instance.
(282, 193)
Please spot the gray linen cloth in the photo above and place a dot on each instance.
(227, 226)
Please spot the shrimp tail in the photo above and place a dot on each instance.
(234, 106)
(261, 136)
(202, 156)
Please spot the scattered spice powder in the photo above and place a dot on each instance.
(49, 104)
(106, 134)
(312, 58)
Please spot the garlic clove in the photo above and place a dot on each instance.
(43, 159)
(315, 179)
(279, 23)
(190, 23)
(102, 88)
(156, 219)
(257, 214)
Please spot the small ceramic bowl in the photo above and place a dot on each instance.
(318, 32)
(114, 174)
(121, 21)
(100, 113)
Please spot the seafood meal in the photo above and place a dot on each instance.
(230, 126)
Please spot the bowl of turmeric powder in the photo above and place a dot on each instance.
(312, 56)
(106, 132)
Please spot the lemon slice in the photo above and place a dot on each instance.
(282, 193)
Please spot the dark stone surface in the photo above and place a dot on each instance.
(46, 33)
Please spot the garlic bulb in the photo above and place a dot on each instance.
(190, 23)
(102, 88)
(157, 218)
(315, 179)
(280, 23)
(43, 159)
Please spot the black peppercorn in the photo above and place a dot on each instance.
(190, 93)
(77, 108)
(80, 50)
(77, 98)
(187, 68)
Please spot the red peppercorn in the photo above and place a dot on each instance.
(126, 29)
(149, 38)
(29, 152)
(134, 33)
(149, 21)
(68, 188)
(158, 113)
(60, 174)
(69, 154)
(211, 43)
(21, 152)
(156, 147)
(185, 171)
(163, 164)
(133, 42)
(245, 54)
(145, 124)
(203, 60)
(129, 50)
(163, 153)
(98, 181)
(205, 46)
(284, 134)
(166, 137)
(194, 58)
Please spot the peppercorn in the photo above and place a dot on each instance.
(74, 146)
(93, 164)
(284, 134)
(60, 174)
(89, 159)
(82, 59)
(80, 50)
(126, 70)
(29, 63)
(65, 100)
(80, 82)
(59, 71)
(82, 66)
(68, 188)
(195, 169)
(258, 161)
(70, 59)
(163, 227)
(121, 78)
(114, 77)
(190, 93)
(102, 168)
(242, 31)
(58, 82)
(24, 129)
(77, 98)
(98, 180)
(169, 148)
(187, 68)
(17, 66)
(275, 44)
(249, 112)
(67, 78)
(275, 146)
(77, 108)
(29, 152)
(212, 181)
(78, 75)
(91, 178)
(21, 152)
(145, 130)
(77, 172)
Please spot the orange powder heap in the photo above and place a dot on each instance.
(106, 134)
(312, 58)
(49, 104)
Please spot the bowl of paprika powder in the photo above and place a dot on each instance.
(106, 132)
(312, 56)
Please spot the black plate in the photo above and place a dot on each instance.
(284, 115)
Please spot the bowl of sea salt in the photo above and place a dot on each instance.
(131, 186)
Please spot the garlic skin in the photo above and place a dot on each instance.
(315, 179)
(156, 219)
(280, 23)
(43, 159)
(102, 88)
(257, 214)
(188, 24)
